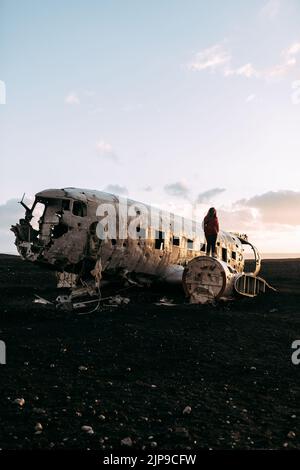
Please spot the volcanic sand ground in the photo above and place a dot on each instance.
(130, 371)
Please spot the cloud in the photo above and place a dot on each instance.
(116, 189)
(247, 71)
(211, 58)
(288, 62)
(275, 207)
(271, 9)
(219, 59)
(105, 150)
(72, 99)
(148, 189)
(206, 196)
(178, 189)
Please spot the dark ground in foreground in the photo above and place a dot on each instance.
(130, 371)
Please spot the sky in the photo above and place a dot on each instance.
(175, 103)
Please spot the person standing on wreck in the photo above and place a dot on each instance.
(211, 230)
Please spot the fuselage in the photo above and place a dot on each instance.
(70, 229)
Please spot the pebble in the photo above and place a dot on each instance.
(38, 427)
(127, 441)
(102, 417)
(187, 410)
(19, 401)
(39, 411)
(181, 432)
(87, 429)
(291, 435)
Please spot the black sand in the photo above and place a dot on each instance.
(130, 371)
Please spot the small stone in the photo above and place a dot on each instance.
(187, 410)
(38, 427)
(102, 417)
(127, 441)
(39, 411)
(181, 432)
(19, 401)
(87, 429)
(82, 368)
(291, 435)
(153, 444)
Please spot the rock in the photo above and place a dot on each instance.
(181, 432)
(102, 417)
(87, 429)
(39, 411)
(291, 435)
(82, 368)
(187, 410)
(153, 444)
(38, 427)
(19, 401)
(127, 441)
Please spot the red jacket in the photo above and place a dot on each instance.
(211, 225)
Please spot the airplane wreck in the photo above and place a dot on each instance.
(87, 236)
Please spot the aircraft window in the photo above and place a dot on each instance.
(224, 254)
(141, 232)
(190, 244)
(176, 241)
(159, 240)
(79, 208)
(65, 205)
(233, 255)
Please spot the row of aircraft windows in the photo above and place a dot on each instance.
(159, 245)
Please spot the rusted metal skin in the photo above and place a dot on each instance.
(66, 239)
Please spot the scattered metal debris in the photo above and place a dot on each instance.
(165, 302)
(41, 300)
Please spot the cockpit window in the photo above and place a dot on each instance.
(79, 209)
(37, 213)
(65, 205)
